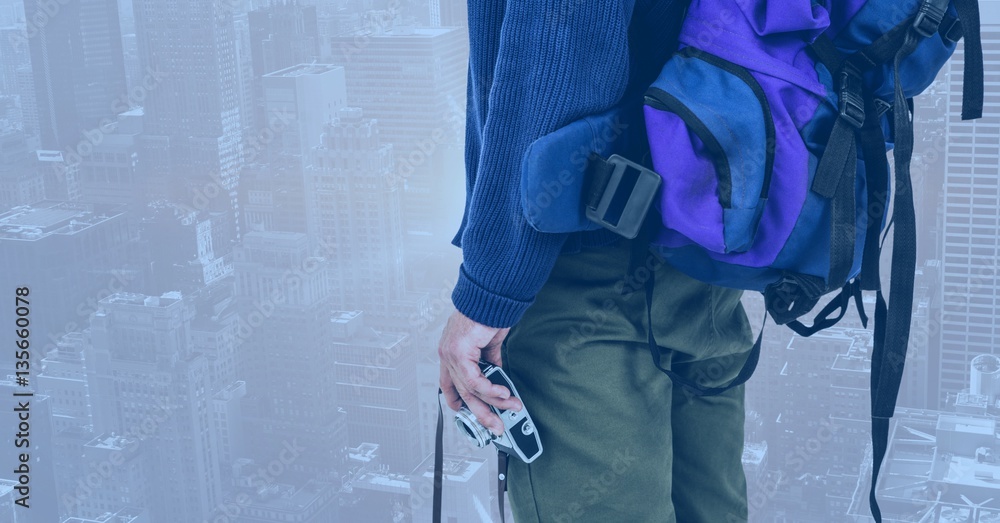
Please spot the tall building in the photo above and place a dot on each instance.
(21, 182)
(215, 334)
(133, 66)
(412, 81)
(78, 67)
(37, 443)
(13, 54)
(82, 253)
(821, 425)
(129, 485)
(110, 173)
(244, 65)
(283, 34)
(971, 280)
(25, 81)
(454, 13)
(64, 379)
(939, 466)
(193, 132)
(377, 386)
(182, 247)
(150, 384)
(273, 196)
(355, 211)
(286, 355)
(302, 98)
(466, 474)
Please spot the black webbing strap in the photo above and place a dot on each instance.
(972, 78)
(502, 458)
(835, 179)
(837, 170)
(438, 462)
(883, 49)
(827, 53)
(839, 304)
(889, 352)
(877, 184)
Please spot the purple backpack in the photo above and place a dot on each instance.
(764, 157)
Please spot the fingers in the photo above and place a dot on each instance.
(478, 393)
(484, 415)
(456, 395)
(462, 344)
(491, 352)
(471, 379)
(451, 397)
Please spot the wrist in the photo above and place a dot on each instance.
(486, 307)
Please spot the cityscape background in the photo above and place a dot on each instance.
(234, 218)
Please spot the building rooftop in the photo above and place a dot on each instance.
(286, 498)
(6, 485)
(141, 300)
(43, 219)
(938, 466)
(966, 424)
(402, 31)
(754, 453)
(303, 70)
(109, 442)
(345, 316)
(125, 515)
(968, 400)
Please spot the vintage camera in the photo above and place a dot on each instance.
(519, 436)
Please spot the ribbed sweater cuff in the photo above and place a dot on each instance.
(486, 307)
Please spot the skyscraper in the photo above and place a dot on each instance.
(38, 445)
(151, 384)
(355, 210)
(25, 82)
(57, 243)
(283, 35)
(194, 116)
(971, 280)
(78, 67)
(412, 81)
(21, 183)
(302, 98)
(454, 13)
(286, 355)
(377, 386)
(13, 54)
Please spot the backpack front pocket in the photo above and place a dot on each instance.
(712, 139)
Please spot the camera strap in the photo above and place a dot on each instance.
(502, 458)
(438, 462)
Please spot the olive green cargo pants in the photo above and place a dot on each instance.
(620, 442)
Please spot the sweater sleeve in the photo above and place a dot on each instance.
(555, 61)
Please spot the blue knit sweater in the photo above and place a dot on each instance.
(535, 66)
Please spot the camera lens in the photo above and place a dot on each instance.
(475, 431)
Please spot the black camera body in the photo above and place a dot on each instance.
(519, 438)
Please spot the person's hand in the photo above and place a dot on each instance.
(463, 343)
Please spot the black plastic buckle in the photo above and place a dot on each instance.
(929, 17)
(951, 30)
(852, 106)
(627, 198)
